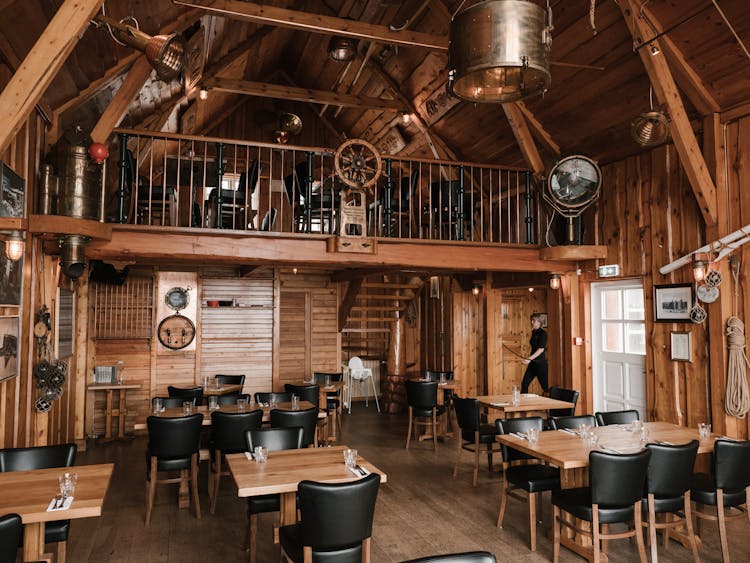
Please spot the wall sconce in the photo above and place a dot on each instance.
(476, 289)
(654, 49)
(554, 281)
(14, 245)
(699, 270)
(203, 94)
(531, 290)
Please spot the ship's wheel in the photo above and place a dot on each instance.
(357, 163)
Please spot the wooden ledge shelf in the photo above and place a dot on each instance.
(574, 252)
(62, 225)
(12, 224)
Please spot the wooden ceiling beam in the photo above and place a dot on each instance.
(239, 52)
(538, 130)
(13, 60)
(41, 65)
(317, 23)
(682, 134)
(280, 92)
(522, 134)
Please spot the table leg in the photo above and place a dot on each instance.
(121, 411)
(108, 417)
(33, 541)
(288, 512)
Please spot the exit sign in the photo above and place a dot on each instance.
(609, 271)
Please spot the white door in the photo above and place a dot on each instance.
(619, 346)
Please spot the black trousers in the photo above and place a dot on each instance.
(536, 370)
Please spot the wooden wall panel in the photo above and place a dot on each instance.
(469, 341)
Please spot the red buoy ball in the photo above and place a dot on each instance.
(98, 152)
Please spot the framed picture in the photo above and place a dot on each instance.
(11, 192)
(8, 347)
(543, 319)
(672, 303)
(680, 346)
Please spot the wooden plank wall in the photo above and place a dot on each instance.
(469, 341)
(437, 325)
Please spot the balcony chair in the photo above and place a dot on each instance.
(525, 472)
(11, 536)
(269, 220)
(43, 457)
(614, 496)
(616, 417)
(173, 445)
(227, 437)
(335, 524)
(401, 207)
(473, 434)
(187, 393)
(236, 212)
(361, 374)
(421, 397)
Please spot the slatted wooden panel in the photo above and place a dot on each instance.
(124, 311)
(469, 341)
(294, 354)
(238, 340)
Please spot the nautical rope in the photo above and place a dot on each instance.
(737, 401)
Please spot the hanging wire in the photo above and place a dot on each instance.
(729, 25)
(124, 20)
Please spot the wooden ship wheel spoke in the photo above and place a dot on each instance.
(358, 164)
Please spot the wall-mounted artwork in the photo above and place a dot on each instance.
(11, 192)
(672, 303)
(10, 280)
(8, 347)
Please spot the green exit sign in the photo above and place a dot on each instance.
(609, 271)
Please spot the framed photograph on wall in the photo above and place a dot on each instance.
(8, 347)
(672, 303)
(680, 346)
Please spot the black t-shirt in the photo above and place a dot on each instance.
(538, 340)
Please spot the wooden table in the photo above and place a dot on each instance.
(571, 455)
(120, 412)
(530, 403)
(225, 389)
(28, 494)
(283, 471)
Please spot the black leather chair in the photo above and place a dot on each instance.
(172, 402)
(469, 557)
(309, 393)
(173, 445)
(572, 422)
(43, 457)
(401, 206)
(333, 400)
(269, 220)
(670, 470)
(230, 379)
(616, 417)
(562, 394)
(185, 394)
(305, 418)
(231, 399)
(336, 522)
(726, 489)
(11, 536)
(422, 399)
(228, 437)
(521, 473)
(235, 205)
(473, 434)
(267, 397)
(614, 495)
(275, 439)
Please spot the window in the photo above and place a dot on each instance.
(623, 324)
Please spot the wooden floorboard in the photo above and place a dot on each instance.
(421, 511)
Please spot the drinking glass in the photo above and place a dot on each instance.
(584, 431)
(213, 402)
(295, 403)
(592, 440)
(532, 435)
(67, 483)
(644, 436)
(187, 407)
(636, 425)
(158, 406)
(241, 402)
(442, 379)
(328, 381)
(261, 454)
(205, 382)
(516, 396)
(704, 430)
(350, 457)
(217, 384)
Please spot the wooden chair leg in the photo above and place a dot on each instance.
(307, 554)
(476, 458)
(722, 525)
(652, 528)
(532, 521)
(689, 525)
(596, 541)
(555, 534)
(366, 545)
(252, 536)
(434, 429)
(194, 479)
(214, 485)
(151, 491)
(61, 551)
(503, 502)
(605, 543)
(639, 532)
(458, 455)
(408, 433)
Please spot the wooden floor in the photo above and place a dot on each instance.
(421, 511)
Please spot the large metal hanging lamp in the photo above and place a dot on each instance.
(499, 51)
(650, 128)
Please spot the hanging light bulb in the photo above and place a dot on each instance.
(554, 281)
(405, 117)
(531, 290)
(699, 270)
(203, 94)
(14, 246)
(476, 289)
(342, 49)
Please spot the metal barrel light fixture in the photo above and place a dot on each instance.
(499, 51)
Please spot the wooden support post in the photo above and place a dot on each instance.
(573, 367)
(78, 385)
(394, 394)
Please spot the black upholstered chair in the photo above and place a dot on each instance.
(230, 379)
(305, 418)
(43, 457)
(228, 437)
(728, 488)
(562, 394)
(670, 470)
(275, 439)
(185, 394)
(268, 397)
(333, 400)
(473, 434)
(616, 417)
(421, 397)
(614, 496)
(231, 399)
(172, 402)
(309, 393)
(11, 536)
(572, 422)
(269, 219)
(173, 445)
(522, 473)
(336, 522)
(469, 557)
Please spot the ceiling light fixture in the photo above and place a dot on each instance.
(405, 117)
(342, 49)
(653, 49)
(554, 281)
(203, 94)
(476, 289)
(14, 246)
(652, 127)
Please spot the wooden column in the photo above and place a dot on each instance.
(80, 346)
(573, 355)
(394, 394)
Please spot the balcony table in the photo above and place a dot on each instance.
(28, 494)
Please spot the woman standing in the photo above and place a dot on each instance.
(537, 361)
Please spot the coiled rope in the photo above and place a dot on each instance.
(737, 401)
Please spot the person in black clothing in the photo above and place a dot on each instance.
(537, 361)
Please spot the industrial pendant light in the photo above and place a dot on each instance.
(652, 127)
(14, 246)
(342, 49)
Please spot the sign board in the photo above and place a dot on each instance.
(437, 105)
(609, 271)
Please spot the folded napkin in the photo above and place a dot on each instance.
(529, 395)
(501, 404)
(359, 471)
(609, 450)
(568, 431)
(56, 505)
(665, 443)
(519, 435)
(729, 438)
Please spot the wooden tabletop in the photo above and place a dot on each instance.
(106, 386)
(177, 412)
(283, 470)
(332, 388)
(222, 389)
(568, 451)
(451, 384)
(529, 402)
(28, 493)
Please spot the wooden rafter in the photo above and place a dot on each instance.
(280, 92)
(317, 23)
(538, 130)
(666, 90)
(320, 116)
(237, 53)
(41, 65)
(522, 134)
(14, 62)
